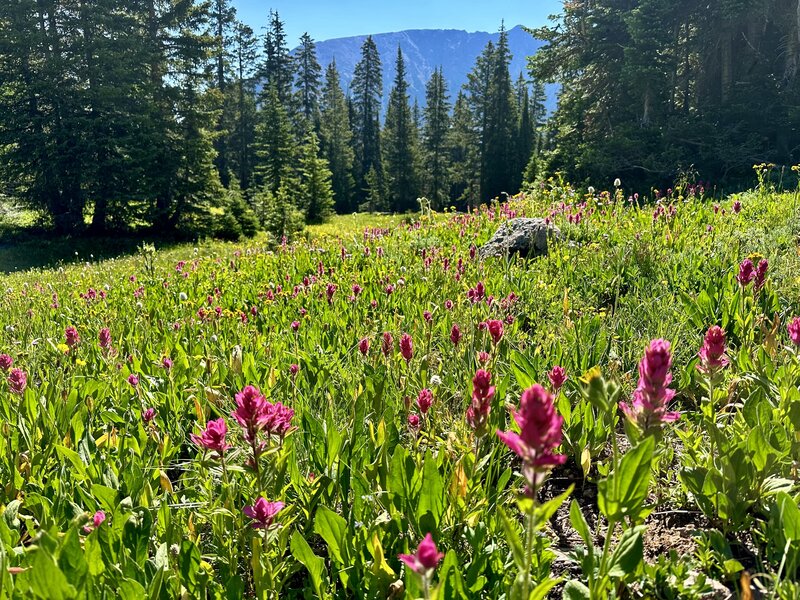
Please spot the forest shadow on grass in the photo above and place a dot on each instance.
(22, 249)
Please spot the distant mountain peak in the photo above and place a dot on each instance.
(425, 50)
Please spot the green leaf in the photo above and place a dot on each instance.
(313, 563)
(623, 493)
(46, 580)
(431, 497)
(581, 526)
(332, 528)
(512, 537)
(575, 590)
(541, 590)
(627, 555)
(545, 511)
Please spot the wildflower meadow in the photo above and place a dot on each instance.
(376, 412)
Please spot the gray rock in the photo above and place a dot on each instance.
(526, 237)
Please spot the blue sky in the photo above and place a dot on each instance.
(325, 19)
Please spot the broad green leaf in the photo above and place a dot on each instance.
(623, 493)
(627, 555)
(512, 537)
(580, 525)
(313, 563)
(432, 494)
(575, 590)
(332, 528)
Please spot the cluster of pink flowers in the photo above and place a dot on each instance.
(213, 437)
(262, 512)
(6, 362)
(540, 434)
(495, 328)
(17, 381)
(255, 413)
(406, 347)
(712, 353)
(71, 337)
(481, 405)
(424, 400)
(793, 329)
(557, 377)
(104, 338)
(648, 407)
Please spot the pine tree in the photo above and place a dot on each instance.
(499, 164)
(436, 142)
(277, 70)
(463, 141)
(314, 194)
(367, 86)
(336, 139)
(399, 144)
(307, 82)
(274, 143)
(223, 20)
(240, 99)
(525, 129)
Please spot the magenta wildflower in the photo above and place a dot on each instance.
(213, 437)
(794, 330)
(98, 518)
(425, 559)
(760, 277)
(250, 406)
(17, 380)
(387, 344)
(295, 325)
(104, 338)
(648, 407)
(363, 346)
(540, 434)
(483, 357)
(424, 400)
(495, 328)
(557, 377)
(277, 419)
(294, 369)
(262, 512)
(481, 405)
(406, 347)
(133, 379)
(71, 337)
(737, 207)
(746, 272)
(413, 421)
(6, 362)
(455, 334)
(712, 354)
(148, 414)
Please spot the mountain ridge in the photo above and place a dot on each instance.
(455, 50)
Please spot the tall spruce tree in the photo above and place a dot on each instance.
(367, 89)
(240, 101)
(307, 82)
(499, 164)
(336, 139)
(314, 194)
(399, 144)
(436, 142)
(277, 70)
(223, 21)
(464, 144)
(274, 143)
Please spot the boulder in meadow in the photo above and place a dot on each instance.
(523, 236)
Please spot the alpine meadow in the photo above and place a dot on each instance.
(523, 330)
